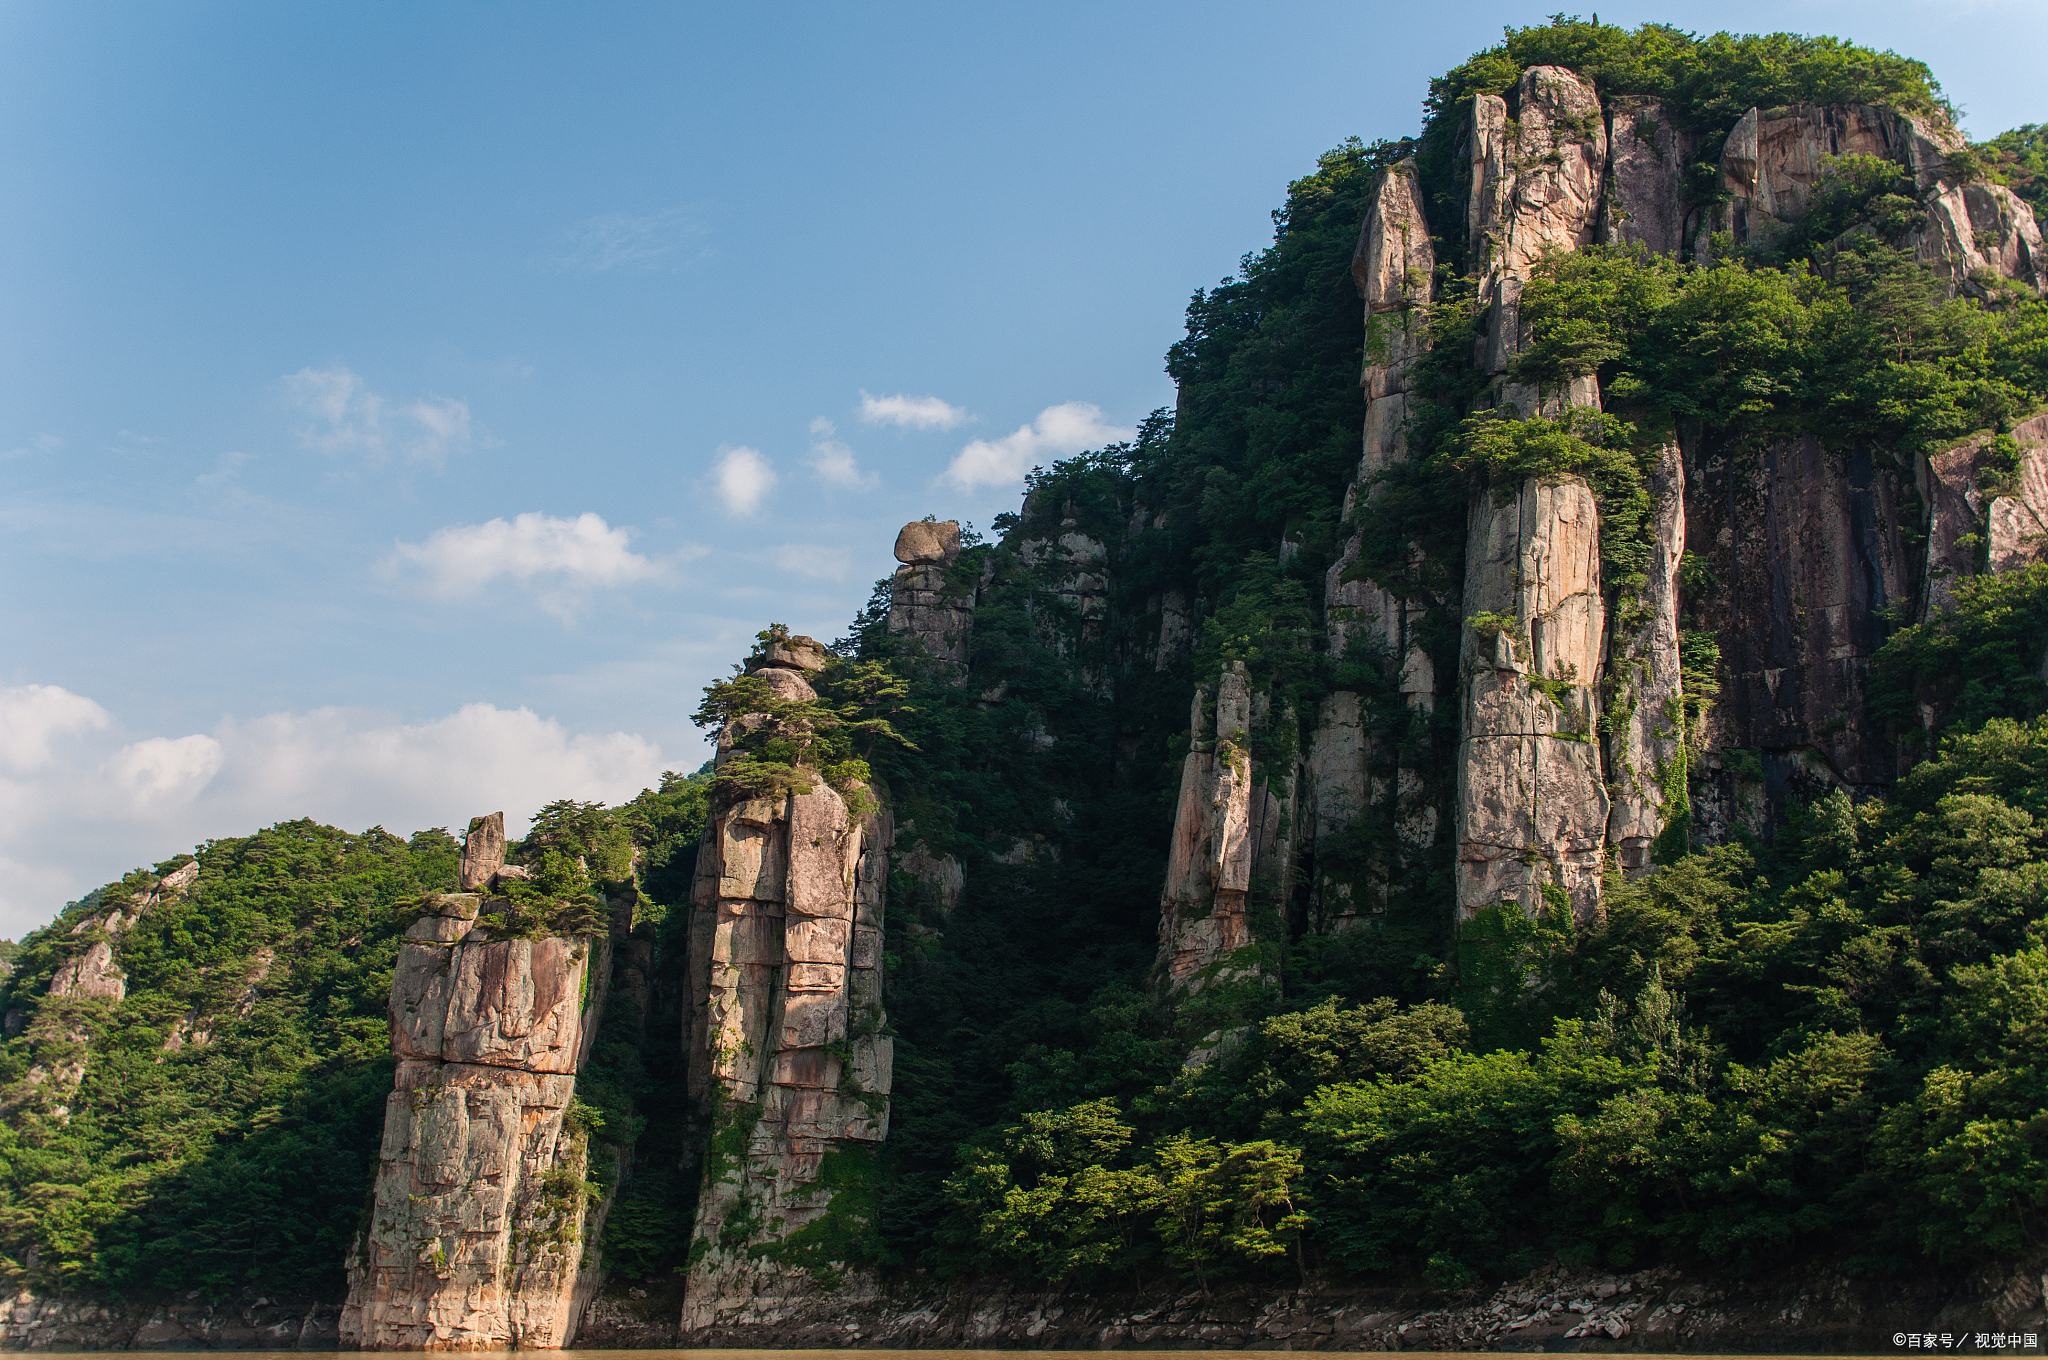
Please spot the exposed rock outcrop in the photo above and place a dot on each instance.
(1775, 157)
(1806, 548)
(922, 605)
(787, 1053)
(1535, 190)
(1647, 158)
(1646, 742)
(1552, 1308)
(1394, 268)
(1227, 829)
(85, 986)
(1532, 807)
(1974, 503)
(477, 1230)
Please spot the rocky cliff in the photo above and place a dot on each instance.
(477, 1232)
(787, 1049)
(1521, 737)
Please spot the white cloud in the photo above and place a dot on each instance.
(918, 413)
(464, 558)
(103, 805)
(32, 715)
(350, 418)
(833, 461)
(166, 769)
(744, 479)
(808, 559)
(656, 240)
(1059, 431)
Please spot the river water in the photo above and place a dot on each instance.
(838, 1354)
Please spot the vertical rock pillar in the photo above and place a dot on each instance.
(1394, 267)
(1226, 829)
(787, 1054)
(1532, 804)
(476, 1232)
(1532, 809)
(921, 605)
(1646, 738)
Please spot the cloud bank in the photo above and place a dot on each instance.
(1058, 432)
(80, 805)
(463, 558)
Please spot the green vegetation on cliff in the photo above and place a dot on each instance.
(1759, 1053)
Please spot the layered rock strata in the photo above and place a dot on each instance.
(922, 604)
(787, 1053)
(476, 1233)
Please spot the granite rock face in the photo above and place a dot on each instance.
(1775, 157)
(1645, 745)
(1805, 546)
(787, 1054)
(476, 1235)
(1229, 834)
(1532, 806)
(1967, 494)
(923, 605)
(925, 543)
(483, 853)
(1648, 155)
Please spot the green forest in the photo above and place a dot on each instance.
(1825, 1046)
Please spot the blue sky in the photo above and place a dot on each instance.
(406, 410)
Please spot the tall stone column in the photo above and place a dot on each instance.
(477, 1229)
(1226, 833)
(787, 1054)
(922, 606)
(1646, 738)
(1394, 267)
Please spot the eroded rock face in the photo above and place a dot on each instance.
(1647, 158)
(1536, 189)
(83, 988)
(786, 1050)
(476, 1234)
(929, 543)
(1227, 828)
(1966, 495)
(1806, 547)
(483, 852)
(1774, 159)
(1645, 743)
(922, 604)
(1532, 807)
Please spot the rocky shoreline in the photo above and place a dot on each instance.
(1553, 1309)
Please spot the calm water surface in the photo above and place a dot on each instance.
(863, 1354)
